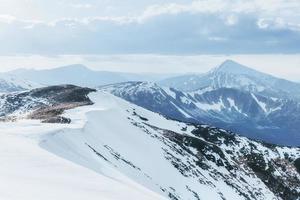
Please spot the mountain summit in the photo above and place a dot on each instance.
(232, 67)
(231, 74)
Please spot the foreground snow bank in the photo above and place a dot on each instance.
(29, 172)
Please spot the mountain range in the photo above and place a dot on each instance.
(231, 74)
(231, 96)
(112, 149)
(79, 75)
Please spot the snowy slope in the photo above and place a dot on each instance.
(115, 150)
(28, 172)
(12, 83)
(148, 148)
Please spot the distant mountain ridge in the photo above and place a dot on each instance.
(231, 74)
(81, 75)
(253, 115)
(231, 96)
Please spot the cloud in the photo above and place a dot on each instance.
(8, 19)
(82, 5)
(202, 26)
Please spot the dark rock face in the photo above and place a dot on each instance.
(63, 94)
(58, 119)
(297, 165)
(46, 103)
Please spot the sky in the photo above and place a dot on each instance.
(179, 34)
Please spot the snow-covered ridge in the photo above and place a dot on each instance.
(116, 149)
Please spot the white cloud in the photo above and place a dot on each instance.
(266, 7)
(84, 5)
(285, 10)
(277, 23)
(220, 39)
(231, 20)
(8, 19)
(203, 6)
(262, 23)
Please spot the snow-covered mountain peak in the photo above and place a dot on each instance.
(229, 74)
(232, 67)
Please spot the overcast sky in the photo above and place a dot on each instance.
(149, 26)
(127, 33)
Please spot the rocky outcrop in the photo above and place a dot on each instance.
(46, 104)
